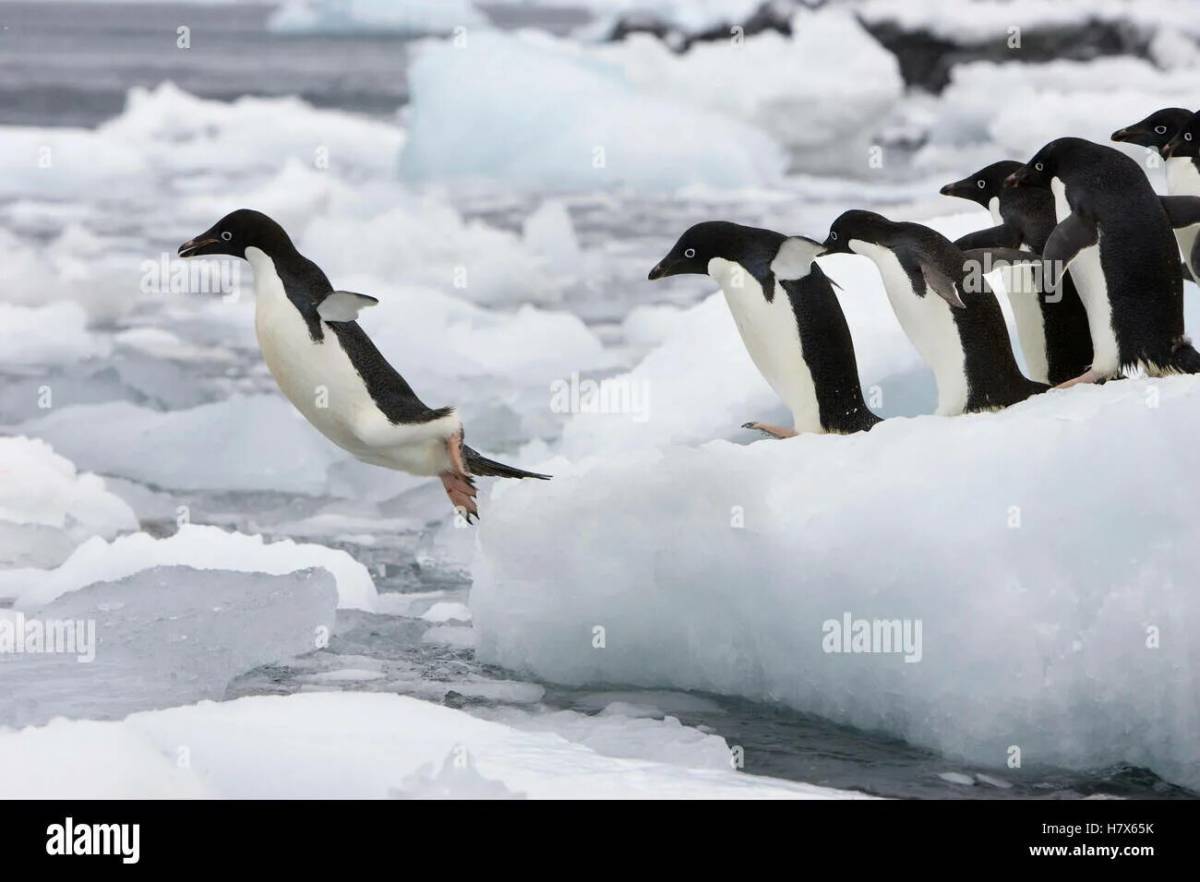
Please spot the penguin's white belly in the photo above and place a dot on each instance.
(1183, 178)
(1022, 291)
(321, 381)
(928, 323)
(772, 338)
(1090, 282)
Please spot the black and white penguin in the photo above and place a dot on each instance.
(788, 317)
(948, 312)
(1182, 169)
(1115, 236)
(1184, 150)
(1052, 330)
(311, 341)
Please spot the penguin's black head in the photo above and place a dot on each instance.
(237, 231)
(1039, 171)
(1156, 130)
(1186, 140)
(866, 226)
(984, 185)
(704, 241)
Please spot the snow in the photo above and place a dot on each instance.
(165, 636)
(47, 507)
(714, 567)
(56, 332)
(559, 116)
(342, 746)
(344, 17)
(991, 19)
(194, 545)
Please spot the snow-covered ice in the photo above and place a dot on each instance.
(194, 545)
(342, 746)
(165, 636)
(374, 16)
(47, 507)
(1043, 548)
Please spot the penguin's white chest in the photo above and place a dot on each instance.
(1092, 286)
(928, 323)
(321, 381)
(772, 337)
(1021, 288)
(1183, 179)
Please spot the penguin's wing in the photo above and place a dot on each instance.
(930, 268)
(1072, 235)
(1002, 236)
(795, 257)
(1183, 211)
(343, 306)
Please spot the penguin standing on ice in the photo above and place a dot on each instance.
(1052, 330)
(1184, 149)
(1183, 168)
(310, 340)
(1114, 234)
(947, 310)
(788, 317)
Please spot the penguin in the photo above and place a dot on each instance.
(1052, 330)
(1183, 156)
(1183, 171)
(310, 340)
(944, 306)
(788, 317)
(1114, 234)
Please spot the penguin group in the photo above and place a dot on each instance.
(1076, 206)
(1094, 278)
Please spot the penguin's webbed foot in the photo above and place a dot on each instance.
(458, 482)
(773, 431)
(1091, 375)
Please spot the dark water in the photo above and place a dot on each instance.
(71, 64)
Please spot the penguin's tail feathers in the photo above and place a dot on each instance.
(478, 464)
(1184, 357)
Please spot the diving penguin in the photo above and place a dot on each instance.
(310, 339)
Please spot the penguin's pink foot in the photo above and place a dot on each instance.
(457, 482)
(773, 431)
(1089, 376)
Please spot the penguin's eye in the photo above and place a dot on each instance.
(833, 236)
(980, 184)
(227, 235)
(1187, 136)
(1039, 166)
(691, 252)
(1161, 130)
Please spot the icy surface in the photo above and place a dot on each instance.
(47, 507)
(201, 547)
(340, 746)
(374, 16)
(563, 117)
(715, 568)
(166, 636)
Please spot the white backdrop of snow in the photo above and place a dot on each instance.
(344, 745)
(194, 545)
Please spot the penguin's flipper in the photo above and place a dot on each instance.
(1182, 211)
(1002, 236)
(914, 257)
(478, 464)
(1072, 235)
(795, 257)
(344, 306)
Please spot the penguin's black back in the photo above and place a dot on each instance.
(1138, 252)
(993, 378)
(829, 353)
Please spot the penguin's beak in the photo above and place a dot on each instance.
(957, 188)
(1168, 149)
(665, 267)
(192, 247)
(1120, 135)
(832, 246)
